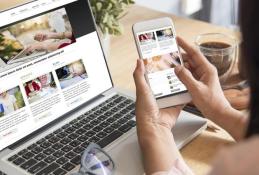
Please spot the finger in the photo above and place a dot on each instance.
(193, 53)
(139, 78)
(186, 77)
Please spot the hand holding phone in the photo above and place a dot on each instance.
(157, 46)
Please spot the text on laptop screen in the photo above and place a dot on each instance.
(51, 62)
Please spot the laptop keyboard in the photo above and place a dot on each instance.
(60, 151)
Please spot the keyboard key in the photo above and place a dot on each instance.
(57, 146)
(116, 125)
(37, 167)
(40, 156)
(50, 159)
(79, 149)
(102, 118)
(125, 128)
(82, 138)
(115, 109)
(91, 117)
(97, 129)
(77, 125)
(70, 130)
(19, 161)
(129, 116)
(66, 126)
(49, 136)
(70, 155)
(65, 140)
(111, 120)
(73, 136)
(58, 154)
(75, 143)
(32, 146)
(110, 138)
(45, 144)
(132, 123)
(54, 139)
(59, 171)
(117, 116)
(133, 112)
(95, 122)
(101, 134)
(37, 150)
(22, 152)
(85, 144)
(76, 160)
(29, 164)
(81, 131)
(67, 148)
(94, 139)
(104, 124)
(62, 134)
(88, 126)
(28, 155)
(58, 131)
(108, 130)
(13, 158)
(62, 160)
(49, 151)
(41, 141)
(90, 133)
(122, 121)
(85, 120)
(68, 166)
(49, 169)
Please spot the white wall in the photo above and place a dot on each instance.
(169, 6)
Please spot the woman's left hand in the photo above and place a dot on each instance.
(147, 111)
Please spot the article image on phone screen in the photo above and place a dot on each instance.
(160, 57)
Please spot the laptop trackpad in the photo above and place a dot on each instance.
(127, 157)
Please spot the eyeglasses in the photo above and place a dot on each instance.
(95, 161)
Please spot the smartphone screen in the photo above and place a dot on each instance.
(161, 55)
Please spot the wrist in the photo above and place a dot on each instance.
(149, 133)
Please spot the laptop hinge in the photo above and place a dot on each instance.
(52, 124)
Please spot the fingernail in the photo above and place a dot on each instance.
(177, 69)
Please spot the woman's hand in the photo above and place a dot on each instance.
(201, 79)
(147, 110)
(154, 127)
(241, 159)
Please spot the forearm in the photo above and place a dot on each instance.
(232, 120)
(158, 148)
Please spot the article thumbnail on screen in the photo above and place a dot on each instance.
(162, 62)
(10, 101)
(40, 87)
(25, 41)
(71, 74)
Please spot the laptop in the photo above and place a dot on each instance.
(48, 135)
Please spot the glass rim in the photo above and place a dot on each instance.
(213, 49)
(97, 147)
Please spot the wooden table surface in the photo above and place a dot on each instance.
(122, 60)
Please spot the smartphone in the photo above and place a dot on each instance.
(157, 46)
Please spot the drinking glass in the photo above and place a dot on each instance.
(221, 50)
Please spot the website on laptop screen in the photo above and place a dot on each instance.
(51, 62)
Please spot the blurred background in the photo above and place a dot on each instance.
(219, 12)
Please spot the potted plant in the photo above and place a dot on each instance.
(107, 15)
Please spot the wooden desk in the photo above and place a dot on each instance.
(200, 152)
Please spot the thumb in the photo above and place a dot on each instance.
(139, 77)
(186, 77)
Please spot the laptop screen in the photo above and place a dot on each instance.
(51, 62)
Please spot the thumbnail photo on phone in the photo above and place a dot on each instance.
(161, 55)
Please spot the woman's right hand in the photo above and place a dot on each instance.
(201, 79)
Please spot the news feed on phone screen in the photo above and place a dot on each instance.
(161, 55)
